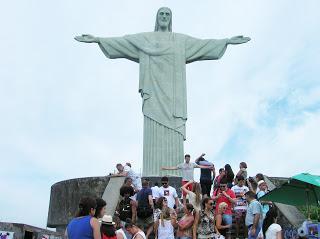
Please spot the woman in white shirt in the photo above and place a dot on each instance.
(270, 228)
(164, 227)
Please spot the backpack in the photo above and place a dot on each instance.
(125, 210)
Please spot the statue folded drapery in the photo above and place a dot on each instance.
(162, 56)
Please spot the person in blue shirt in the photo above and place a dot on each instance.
(84, 225)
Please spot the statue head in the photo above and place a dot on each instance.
(163, 20)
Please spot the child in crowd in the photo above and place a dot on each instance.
(240, 207)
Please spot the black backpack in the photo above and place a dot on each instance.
(125, 210)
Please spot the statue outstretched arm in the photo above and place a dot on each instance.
(87, 38)
(238, 40)
(209, 49)
(113, 47)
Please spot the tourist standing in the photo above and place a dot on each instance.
(169, 193)
(155, 191)
(254, 216)
(204, 225)
(207, 175)
(225, 194)
(120, 231)
(101, 208)
(134, 230)
(270, 228)
(145, 208)
(161, 203)
(126, 208)
(243, 170)
(84, 225)
(216, 182)
(187, 169)
(195, 196)
(185, 223)
(240, 207)
(108, 230)
(229, 175)
(223, 229)
(164, 227)
(263, 189)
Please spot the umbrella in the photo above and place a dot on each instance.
(301, 189)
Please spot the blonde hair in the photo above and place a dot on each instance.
(165, 215)
(222, 205)
(197, 191)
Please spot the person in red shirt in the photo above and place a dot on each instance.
(225, 194)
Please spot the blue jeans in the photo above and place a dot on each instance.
(256, 234)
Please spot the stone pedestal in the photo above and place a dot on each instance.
(65, 196)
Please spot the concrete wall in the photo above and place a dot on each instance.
(65, 196)
(20, 229)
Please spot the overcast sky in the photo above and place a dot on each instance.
(67, 111)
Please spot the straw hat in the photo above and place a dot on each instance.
(260, 182)
(107, 219)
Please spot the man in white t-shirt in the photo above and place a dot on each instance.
(187, 169)
(155, 191)
(169, 193)
(240, 207)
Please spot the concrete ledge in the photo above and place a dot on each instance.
(65, 196)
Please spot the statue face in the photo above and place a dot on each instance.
(164, 17)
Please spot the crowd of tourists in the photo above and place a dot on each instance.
(226, 205)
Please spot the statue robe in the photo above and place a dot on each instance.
(162, 57)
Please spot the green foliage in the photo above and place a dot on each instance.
(314, 212)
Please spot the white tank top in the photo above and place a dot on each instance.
(166, 231)
(120, 231)
(141, 233)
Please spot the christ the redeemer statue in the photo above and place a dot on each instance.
(162, 56)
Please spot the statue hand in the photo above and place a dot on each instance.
(86, 38)
(238, 40)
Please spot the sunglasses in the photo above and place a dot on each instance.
(164, 183)
(211, 204)
(222, 186)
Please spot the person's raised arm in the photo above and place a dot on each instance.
(169, 168)
(184, 187)
(231, 198)
(197, 160)
(87, 38)
(95, 228)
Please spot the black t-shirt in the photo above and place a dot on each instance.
(206, 174)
